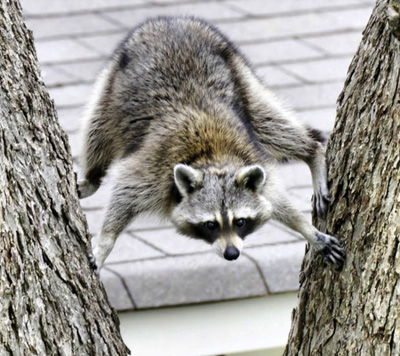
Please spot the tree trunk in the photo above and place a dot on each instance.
(356, 311)
(51, 303)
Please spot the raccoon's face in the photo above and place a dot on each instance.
(221, 207)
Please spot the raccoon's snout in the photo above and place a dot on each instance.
(228, 247)
(231, 253)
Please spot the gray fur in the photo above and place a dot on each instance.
(194, 135)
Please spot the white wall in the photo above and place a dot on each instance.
(239, 326)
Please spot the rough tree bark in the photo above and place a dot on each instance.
(51, 303)
(356, 311)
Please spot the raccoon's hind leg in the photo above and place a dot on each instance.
(284, 138)
(281, 135)
(328, 246)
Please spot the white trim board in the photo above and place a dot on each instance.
(266, 352)
(210, 329)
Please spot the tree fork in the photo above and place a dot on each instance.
(356, 311)
(51, 302)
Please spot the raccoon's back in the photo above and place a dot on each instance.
(170, 61)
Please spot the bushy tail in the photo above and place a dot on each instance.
(97, 149)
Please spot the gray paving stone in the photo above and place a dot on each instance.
(322, 119)
(94, 219)
(264, 29)
(104, 44)
(43, 7)
(270, 234)
(84, 71)
(75, 143)
(70, 119)
(208, 10)
(262, 53)
(311, 96)
(69, 25)
(62, 50)
(75, 166)
(294, 174)
(189, 279)
(71, 95)
(302, 192)
(53, 76)
(128, 249)
(99, 199)
(273, 76)
(116, 292)
(300, 197)
(296, 180)
(280, 265)
(262, 7)
(350, 19)
(308, 216)
(344, 43)
(169, 241)
(322, 70)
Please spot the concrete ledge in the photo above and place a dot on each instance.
(226, 328)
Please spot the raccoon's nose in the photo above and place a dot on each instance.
(231, 253)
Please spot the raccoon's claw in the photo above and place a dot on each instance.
(93, 264)
(320, 202)
(329, 247)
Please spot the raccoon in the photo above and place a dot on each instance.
(194, 135)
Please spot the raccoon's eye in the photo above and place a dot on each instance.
(211, 225)
(240, 223)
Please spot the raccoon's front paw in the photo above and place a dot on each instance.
(320, 201)
(93, 264)
(329, 247)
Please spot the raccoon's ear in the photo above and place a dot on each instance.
(251, 177)
(187, 179)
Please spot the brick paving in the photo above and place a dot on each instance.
(300, 48)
